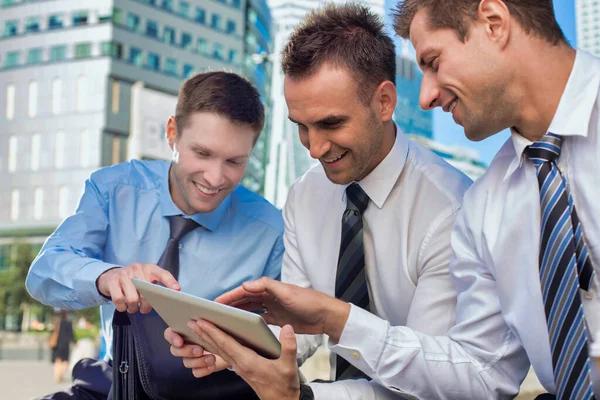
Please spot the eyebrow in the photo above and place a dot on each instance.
(326, 120)
(199, 148)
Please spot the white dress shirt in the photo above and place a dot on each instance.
(501, 323)
(414, 199)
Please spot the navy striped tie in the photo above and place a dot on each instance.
(565, 267)
(351, 282)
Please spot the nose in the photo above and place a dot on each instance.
(318, 145)
(430, 92)
(214, 175)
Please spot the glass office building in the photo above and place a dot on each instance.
(71, 74)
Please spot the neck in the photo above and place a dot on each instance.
(541, 79)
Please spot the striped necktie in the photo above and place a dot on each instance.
(565, 267)
(351, 282)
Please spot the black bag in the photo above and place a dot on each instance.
(145, 369)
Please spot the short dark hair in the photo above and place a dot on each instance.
(535, 16)
(347, 35)
(223, 93)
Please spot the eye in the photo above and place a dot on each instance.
(235, 163)
(433, 63)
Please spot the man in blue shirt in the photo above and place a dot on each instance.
(121, 226)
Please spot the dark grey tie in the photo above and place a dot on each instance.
(180, 226)
(351, 282)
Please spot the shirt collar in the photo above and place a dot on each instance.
(380, 182)
(572, 117)
(209, 220)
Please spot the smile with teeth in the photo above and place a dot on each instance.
(331, 160)
(206, 190)
(453, 105)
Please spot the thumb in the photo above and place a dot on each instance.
(288, 345)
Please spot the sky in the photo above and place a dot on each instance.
(446, 131)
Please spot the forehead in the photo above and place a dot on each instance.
(421, 33)
(329, 90)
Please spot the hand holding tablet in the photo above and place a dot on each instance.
(177, 308)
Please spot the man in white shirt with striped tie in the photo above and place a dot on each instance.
(527, 243)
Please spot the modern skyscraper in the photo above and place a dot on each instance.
(587, 14)
(78, 77)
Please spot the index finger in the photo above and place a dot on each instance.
(234, 296)
(165, 277)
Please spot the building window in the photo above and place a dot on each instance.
(154, 61)
(116, 89)
(112, 49)
(215, 21)
(63, 202)
(12, 59)
(150, 2)
(184, 9)
(236, 3)
(83, 50)
(80, 18)
(11, 28)
(117, 16)
(32, 99)
(169, 35)
(231, 26)
(38, 203)
(167, 5)
(58, 53)
(56, 21)
(233, 56)
(133, 22)
(35, 151)
(34, 56)
(171, 66)
(56, 95)
(135, 56)
(151, 29)
(12, 154)
(116, 150)
(200, 15)
(202, 46)
(10, 102)
(186, 41)
(59, 150)
(81, 99)
(188, 70)
(218, 51)
(32, 24)
(85, 152)
(15, 200)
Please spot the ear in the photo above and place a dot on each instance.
(171, 131)
(386, 99)
(495, 17)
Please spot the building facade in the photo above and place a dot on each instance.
(78, 76)
(587, 14)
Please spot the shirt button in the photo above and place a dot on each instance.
(589, 294)
(180, 246)
(356, 355)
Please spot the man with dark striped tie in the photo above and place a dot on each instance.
(369, 226)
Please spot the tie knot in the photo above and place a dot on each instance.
(547, 149)
(356, 198)
(180, 226)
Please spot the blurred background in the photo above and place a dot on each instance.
(90, 83)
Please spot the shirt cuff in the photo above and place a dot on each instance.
(362, 340)
(89, 274)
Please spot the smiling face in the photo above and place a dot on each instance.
(344, 134)
(468, 79)
(209, 160)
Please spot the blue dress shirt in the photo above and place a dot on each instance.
(122, 218)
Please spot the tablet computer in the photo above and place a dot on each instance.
(177, 309)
